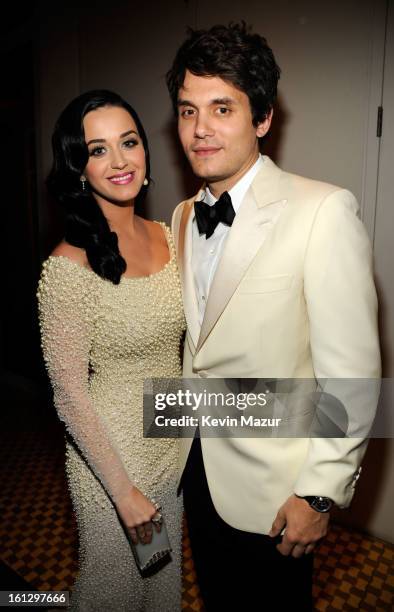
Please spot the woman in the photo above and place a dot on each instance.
(111, 316)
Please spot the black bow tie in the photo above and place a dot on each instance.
(208, 217)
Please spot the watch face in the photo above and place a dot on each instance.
(321, 504)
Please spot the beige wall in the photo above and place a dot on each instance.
(331, 55)
(325, 56)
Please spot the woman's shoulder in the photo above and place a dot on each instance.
(164, 236)
(70, 258)
(66, 269)
(153, 227)
(158, 231)
(73, 253)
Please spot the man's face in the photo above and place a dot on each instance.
(216, 130)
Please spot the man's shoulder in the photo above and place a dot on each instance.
(307, 185)
(301, 189)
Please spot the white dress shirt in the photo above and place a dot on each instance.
(206, 252)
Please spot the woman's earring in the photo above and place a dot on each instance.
(83, 181)
(146, 182)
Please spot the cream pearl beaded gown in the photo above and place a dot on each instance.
(100, 341)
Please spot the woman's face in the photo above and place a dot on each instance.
(116, 167)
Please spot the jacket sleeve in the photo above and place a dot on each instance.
(342, 311)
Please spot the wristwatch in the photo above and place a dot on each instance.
(318, 503)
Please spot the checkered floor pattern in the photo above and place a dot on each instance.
(38, 540)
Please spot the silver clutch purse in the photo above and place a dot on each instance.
(147, 555)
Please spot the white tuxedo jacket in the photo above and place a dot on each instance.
(293, 297)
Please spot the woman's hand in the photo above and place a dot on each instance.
(136, 512)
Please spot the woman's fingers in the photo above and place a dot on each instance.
(148, 532)
(142, 533)
(133, 534)
(140, 515)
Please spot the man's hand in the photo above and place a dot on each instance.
(304, 527)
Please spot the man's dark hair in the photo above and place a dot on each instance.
(235, 55)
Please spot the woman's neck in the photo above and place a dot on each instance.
(119, 217)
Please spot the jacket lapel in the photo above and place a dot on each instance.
(258, 213)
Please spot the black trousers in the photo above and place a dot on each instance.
(238, 570)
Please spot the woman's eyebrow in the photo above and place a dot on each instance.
(121, 136)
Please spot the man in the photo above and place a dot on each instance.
(277, 282)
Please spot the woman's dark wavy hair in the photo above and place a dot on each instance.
(86, 225)
(234, 54)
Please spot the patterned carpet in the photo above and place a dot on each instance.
(38, 539)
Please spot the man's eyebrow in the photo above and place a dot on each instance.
(228, 101)
(225, 101)
(96, 140)
(185, 103)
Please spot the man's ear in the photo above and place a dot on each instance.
(263, 127)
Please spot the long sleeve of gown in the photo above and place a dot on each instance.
(67, 298)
